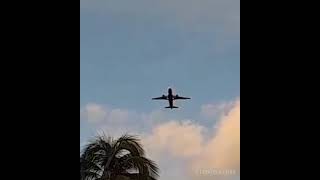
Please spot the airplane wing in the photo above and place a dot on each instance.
(180, 97)
(160, 98)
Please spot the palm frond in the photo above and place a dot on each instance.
(144, 165)
(135, 176)
(88, 175)
(86, 165)
(97, 150)
(120, 164)
(103, 157)
(131, 144)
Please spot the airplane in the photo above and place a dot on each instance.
(170, 97)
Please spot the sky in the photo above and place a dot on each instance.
(131, 51)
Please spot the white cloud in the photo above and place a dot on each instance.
(223, 150)
(188, 144)
(117, 121)
(94, 113)
(182, 139)
(118, 116)
(216, 110)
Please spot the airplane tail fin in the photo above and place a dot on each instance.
(172, 107)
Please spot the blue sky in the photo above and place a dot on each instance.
(131, 51)
(128, 58)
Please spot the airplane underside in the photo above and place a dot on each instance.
(171, 106)
(170, 97)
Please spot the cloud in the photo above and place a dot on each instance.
(223, 150)
(202, 151)
(118, 115)
(190, 145)
(182, 139)
(218, 109)
(117, 121)
(94, 113)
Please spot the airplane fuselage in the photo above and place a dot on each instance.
(170, 98)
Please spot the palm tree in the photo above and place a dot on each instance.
(123, 159)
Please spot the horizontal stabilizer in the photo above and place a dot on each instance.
(172, 107)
